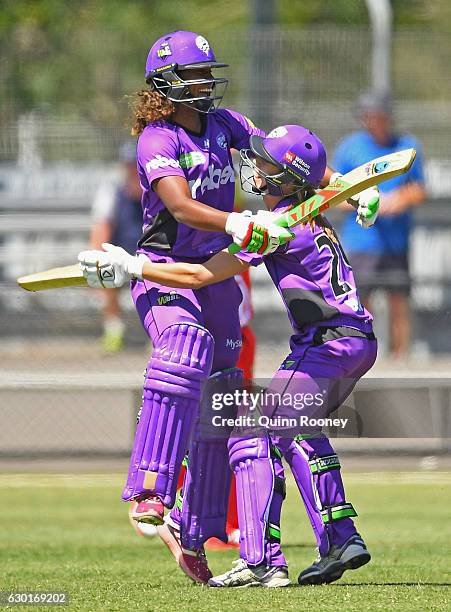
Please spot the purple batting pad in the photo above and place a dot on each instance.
(177, 370)
(207, 481)
(250, 459)
(316, 469)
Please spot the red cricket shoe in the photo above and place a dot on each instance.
(192, 562)
(148, 510)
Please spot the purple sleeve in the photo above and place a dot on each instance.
(158, 153)
(240, 128)
(253, 259)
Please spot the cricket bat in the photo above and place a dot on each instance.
(372, 173)
(67, 276)
(367, 175)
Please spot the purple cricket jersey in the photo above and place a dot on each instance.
(205, 161)
(314, 277)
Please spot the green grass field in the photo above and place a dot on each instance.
(71, 533)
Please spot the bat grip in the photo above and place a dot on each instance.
(280, 221)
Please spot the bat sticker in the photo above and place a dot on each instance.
(381, 167)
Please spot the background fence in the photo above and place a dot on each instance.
(61, 121)
(68, 103)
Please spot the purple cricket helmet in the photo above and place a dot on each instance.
(180, 51)
(296, 151)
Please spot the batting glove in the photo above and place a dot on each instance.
(367, 206)
(111, 268)
(257, 233)
(366, 203)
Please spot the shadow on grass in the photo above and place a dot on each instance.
(294, 584)
(354, 584)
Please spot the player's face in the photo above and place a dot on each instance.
(271, 169)
(199, 74)
(265, 167)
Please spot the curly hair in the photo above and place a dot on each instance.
(149, 106)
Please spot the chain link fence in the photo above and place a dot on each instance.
(62, 119)
(71, 101)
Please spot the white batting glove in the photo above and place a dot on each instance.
(257, 233)
(110, 268)
(367, 206)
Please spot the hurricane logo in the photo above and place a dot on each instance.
(222, 141)
(278, 132)
(203, 44)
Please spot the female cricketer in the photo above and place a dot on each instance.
(185, 169)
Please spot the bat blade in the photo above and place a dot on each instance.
(372, 173)
(67, 276)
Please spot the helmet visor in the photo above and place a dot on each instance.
(208, 93)
(254, 179)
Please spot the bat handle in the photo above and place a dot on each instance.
(281, 222)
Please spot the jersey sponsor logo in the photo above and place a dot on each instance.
(221, 140)
(166, 298)
(287, 364)
(203, 44)
(191, 159)
(164, 50)
(215, 178)
(233, 344)
(161, 162)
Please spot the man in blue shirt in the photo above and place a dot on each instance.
(379, 256)
(117, 217)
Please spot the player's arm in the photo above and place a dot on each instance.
(113, 267)
(246, 230)
(329, 172)
(174, 192)
(194, 276)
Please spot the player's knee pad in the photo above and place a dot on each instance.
(207, 482)
(250, 459)
(180, 364)
(181, 361)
